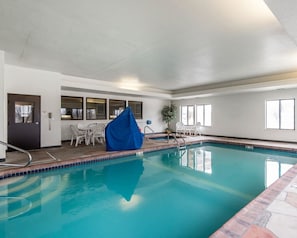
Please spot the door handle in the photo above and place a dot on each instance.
(37, 122)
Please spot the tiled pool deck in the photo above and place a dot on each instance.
(272, 214)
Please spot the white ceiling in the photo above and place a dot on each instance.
(172, 45)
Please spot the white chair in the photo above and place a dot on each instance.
(197, 129)
(97, 133)
(189, 130)
(179, 128)
(78, 135)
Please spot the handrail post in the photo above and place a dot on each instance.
(148, 127)
(18, 149)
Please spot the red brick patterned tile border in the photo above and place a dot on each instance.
(258, 232)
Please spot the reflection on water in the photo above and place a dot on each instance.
(199, 160)
(18, 205)
(123, 177)
(130, 204)
(274, 170)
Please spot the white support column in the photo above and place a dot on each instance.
(2, 106)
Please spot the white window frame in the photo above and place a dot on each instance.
(203, 117)
(187, 123)
(280, 114)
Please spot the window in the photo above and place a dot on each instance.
(96, 109)
(116, 107)
(136, 108)
(187, 115)
(280, 114)
(24, 112)
(71, 108)
(203, 114)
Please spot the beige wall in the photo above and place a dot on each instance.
(45, 84)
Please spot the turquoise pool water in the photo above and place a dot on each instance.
(167, 193)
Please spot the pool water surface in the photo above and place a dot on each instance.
(168, 193)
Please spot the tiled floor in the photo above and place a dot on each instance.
(272, 214)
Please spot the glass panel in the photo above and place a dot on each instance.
(71, 108)
(24, 112)
(272, 114)
(287, 114)
(96, 108)
(207, 110)
(77, 114)
(200, 114)
(191, 115)
(136, 108)
(184, 115)
(116, 107)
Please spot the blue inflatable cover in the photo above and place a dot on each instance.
(123, 133)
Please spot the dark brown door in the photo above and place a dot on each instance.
(24, 121)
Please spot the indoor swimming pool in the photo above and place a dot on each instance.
(167, 193)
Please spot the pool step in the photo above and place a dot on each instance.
(16, 185)
(20, 197)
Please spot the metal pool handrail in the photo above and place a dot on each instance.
(148, 127)
(18, 149)
(175, 139)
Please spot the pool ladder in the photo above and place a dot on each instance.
(18, 149)
(182, 146)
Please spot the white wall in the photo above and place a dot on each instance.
(236, 115)
(45, 84)
(2, 105)
(151, 111)
(243, 115)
